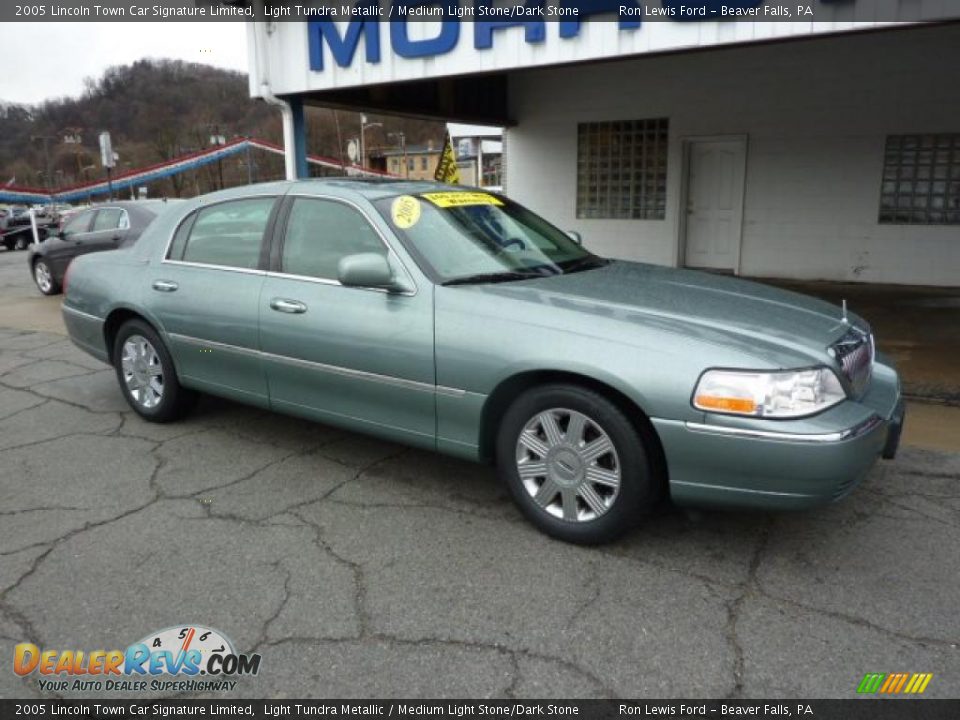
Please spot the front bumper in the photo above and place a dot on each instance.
(738, 462)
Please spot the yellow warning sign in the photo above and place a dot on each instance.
(461, 199)
(405, 211)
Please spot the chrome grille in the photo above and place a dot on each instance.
(854, 353)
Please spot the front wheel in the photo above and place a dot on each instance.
(575, 464)
(22, 243)
(43, 277)
(147, 375)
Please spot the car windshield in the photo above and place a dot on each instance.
(465, 236)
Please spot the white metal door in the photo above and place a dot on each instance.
(715, 177)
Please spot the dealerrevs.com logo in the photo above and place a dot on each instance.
(184, 658)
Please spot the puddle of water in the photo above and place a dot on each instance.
(932, 427)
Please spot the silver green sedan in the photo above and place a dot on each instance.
(456, 320)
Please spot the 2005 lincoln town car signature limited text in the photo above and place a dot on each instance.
(456, 320)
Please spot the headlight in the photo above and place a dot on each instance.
(787, 394)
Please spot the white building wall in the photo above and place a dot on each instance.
(816, 113)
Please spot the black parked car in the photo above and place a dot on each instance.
(105, 227)
(16, 232)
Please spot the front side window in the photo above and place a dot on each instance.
(459, 235)
(108, 219)
(228, 234)
(921, 180)
(322, 232)
(622, 169)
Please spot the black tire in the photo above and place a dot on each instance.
(52, 285)
(22, 243)
(639, 487)
(175, 400)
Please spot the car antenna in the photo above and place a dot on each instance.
(844, 319)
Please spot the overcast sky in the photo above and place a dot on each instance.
(44, 60)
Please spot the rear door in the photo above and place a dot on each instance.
(206, 291)
(110, 226)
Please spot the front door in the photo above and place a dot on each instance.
(715, 178)
(62, 248)
(206, 293)
(357, 357)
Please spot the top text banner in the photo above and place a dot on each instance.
(503, 11)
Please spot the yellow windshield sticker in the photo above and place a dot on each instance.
(405, 211)
(461, 199)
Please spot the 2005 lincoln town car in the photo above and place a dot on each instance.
(456, 320)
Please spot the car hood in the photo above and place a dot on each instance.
(719, 302)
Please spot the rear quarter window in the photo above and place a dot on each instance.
(229, 234)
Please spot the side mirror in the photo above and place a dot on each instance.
(575, 236)
(370, 270)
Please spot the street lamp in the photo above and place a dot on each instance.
(364, 126)
(218, 140)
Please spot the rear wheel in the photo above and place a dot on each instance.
(21, 244)
(575, 464)
(43, 277)
(147, 375)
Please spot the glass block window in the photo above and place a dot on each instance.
(622, 169)
(921, 180)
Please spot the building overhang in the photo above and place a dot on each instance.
(480, 99)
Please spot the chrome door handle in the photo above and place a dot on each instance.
(165, 285)
(288, 306)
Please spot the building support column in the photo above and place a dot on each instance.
(299, 138)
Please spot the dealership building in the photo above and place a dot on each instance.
(824, 148)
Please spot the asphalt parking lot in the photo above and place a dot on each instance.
(360, 568)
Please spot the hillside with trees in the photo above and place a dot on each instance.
(156, 110)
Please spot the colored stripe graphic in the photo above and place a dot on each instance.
(894, 683)
(871, 682)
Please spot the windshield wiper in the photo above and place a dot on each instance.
(585, 263)
(479, 278)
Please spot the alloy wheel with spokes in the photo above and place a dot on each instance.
(142, 371)
(44, 278)
(577, 463)
(147, 374)
(568, 465)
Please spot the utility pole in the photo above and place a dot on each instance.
(47, 174)
(402, 137)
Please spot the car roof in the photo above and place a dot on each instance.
(139, 208)
(370, 188)
(374, 188)
(154, 203)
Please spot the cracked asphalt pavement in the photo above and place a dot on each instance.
(357, 568)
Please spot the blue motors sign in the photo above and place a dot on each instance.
(485, 18)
